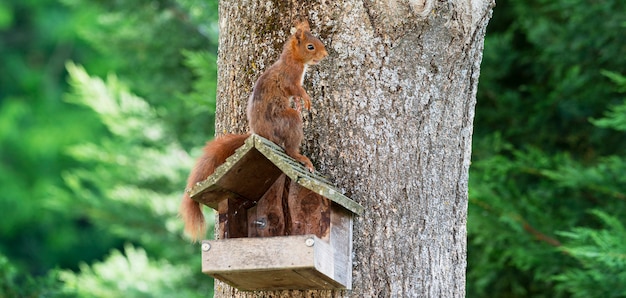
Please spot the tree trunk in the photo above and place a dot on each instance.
(390, 124)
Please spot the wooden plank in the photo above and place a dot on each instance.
(291, 167)
(232, 219)
(332, 193)
(251, 176)
(266, 280)
(341, 242)
(309, 212)
(267, 217)
(213, 195)
(244, 254)
(287, 262)
(198, 191)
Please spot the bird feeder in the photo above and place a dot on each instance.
(280, 226)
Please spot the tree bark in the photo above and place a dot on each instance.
(390, 124)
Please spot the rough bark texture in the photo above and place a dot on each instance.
(391, 125)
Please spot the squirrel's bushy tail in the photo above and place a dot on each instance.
(215, 153)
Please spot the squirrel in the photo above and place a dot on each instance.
(269, 112)
(269, 115)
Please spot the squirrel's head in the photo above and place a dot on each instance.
(306, 47)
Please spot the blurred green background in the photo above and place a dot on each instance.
(105, 104)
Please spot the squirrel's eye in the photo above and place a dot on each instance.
(310, 47)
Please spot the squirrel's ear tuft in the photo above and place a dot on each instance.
(301, 27)
(303, 24)
(298, 34)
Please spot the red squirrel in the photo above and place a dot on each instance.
(269, 115)
(269, 112)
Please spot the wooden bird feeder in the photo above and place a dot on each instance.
(280, 226)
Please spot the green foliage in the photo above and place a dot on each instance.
(14, 283)
(130, 187)
(541, 77)
(601, 259)
(105, 166)
(136, 168)
(615, 117)
(600, 253)
(6, 16)
(130, 275)
(148, 46)
(548, 152)
(35, 128)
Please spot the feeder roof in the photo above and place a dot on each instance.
(254, 167)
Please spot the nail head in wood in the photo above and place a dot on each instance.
(309, 242)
